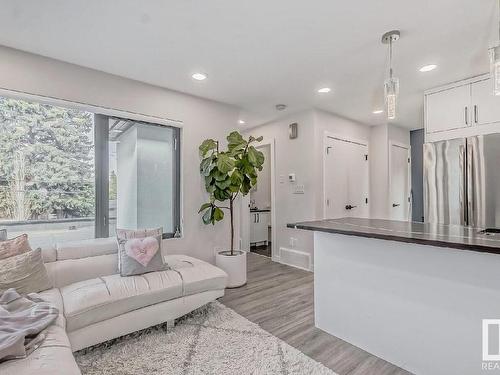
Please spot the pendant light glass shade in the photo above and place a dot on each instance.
(391, 92)
(391, 84)
(495, 68)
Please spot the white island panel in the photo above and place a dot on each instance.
(417, 306)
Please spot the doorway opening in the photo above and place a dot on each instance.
(258, 209)
(400, 181)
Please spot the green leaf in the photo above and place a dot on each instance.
(253, 139)
(208, 180)
(255, 157)
(225, 164)
(245, 186)
(218, 175)
(235, 140)
(218, 214)
(207, 217)
(204, 206)
(223, 184)
(206, 166)
(237, 149)
(236, 177)
(206, 146)
(221, 195)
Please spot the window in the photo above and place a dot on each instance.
(68, 174)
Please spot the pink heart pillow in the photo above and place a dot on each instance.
(142, 249)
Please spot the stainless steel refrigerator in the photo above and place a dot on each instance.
(462, 181)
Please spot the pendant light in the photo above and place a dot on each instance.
(391, 84)
(495, 60)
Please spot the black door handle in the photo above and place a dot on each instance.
(396, 205)
(349, 207)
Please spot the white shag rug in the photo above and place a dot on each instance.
(211, 340)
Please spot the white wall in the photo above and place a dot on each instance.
(292, 156)
(261, 194)
(379, 182)
(201, 118)
(304, 157)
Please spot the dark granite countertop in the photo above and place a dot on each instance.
(260, 210)
(453, 236)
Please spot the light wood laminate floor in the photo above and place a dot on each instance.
(280, 299)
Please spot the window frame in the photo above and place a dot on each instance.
(102, 114)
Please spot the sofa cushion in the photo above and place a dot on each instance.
(86, 248)
(198, 276)
(95, 300)
(14, 246)
(49, 254)
(46, 360)
(24, 272)
(54, 355)
(69, 271)
(54, 296)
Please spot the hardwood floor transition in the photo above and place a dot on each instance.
(280, 299)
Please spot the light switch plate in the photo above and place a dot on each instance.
(299, 189)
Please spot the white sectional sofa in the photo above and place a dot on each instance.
(97, 304)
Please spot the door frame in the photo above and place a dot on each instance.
(344, 138)
(271, 142)
(408, 182)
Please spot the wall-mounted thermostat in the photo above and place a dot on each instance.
(291, 177)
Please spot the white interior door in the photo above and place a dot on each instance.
(346, 179)
(400, 182)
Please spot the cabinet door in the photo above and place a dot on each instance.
(448, 109)
(253, 225)
(260, 227)
(486, 106)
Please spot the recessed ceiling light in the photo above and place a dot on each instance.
(428, 68)
(378, 111)
(241, 122)
(199, 76)
(324, 90)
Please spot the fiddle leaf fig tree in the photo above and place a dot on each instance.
(228, 174)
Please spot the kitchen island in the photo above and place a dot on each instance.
(413, 294)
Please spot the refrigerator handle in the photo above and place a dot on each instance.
(470, 184)
(466, 113)
(463, 198)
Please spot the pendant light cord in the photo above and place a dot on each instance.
(390, 56)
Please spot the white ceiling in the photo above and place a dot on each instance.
(263, 52)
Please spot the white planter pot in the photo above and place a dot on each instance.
(234, 265)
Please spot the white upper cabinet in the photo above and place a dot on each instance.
(462, 109)
(448, 109)
(485, 105)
